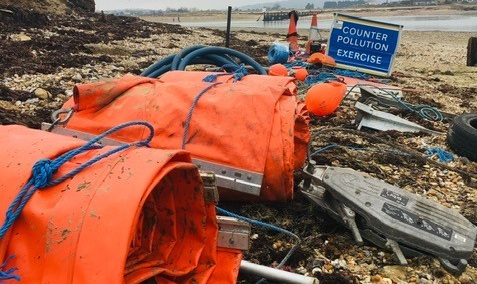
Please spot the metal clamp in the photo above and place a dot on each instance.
(55, 117)
(233, 233)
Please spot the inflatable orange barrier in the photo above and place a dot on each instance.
(138, 214)
(255, 124)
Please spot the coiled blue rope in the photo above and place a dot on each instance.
(278, 53)
(44, 169)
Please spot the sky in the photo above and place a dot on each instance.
(174, 4)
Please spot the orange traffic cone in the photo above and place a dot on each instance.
(313, 36)
(292, 36)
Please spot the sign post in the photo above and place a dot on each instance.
(363, 45)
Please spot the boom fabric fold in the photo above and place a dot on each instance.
(135, 215)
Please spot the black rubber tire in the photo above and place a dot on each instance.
(462, 135)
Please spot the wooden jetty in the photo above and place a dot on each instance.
(280, 16)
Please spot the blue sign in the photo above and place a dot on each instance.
(363, 45)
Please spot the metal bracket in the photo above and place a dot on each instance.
(356, 90)
(233, 178)
(209, 181)
(227, 177)
(382, 96)
(380, 120)
(233, 233)
(394, 246)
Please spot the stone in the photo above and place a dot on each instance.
(42, 93)
(395, 272)
(77, 77)
(20, 37)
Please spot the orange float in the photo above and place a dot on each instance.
(278, 70)
(320, 58)
(324, 98)
(138, 214)
(301, 74)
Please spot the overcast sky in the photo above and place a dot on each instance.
(162, 4)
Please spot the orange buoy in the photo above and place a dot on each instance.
(278, 70)
(324, 98)
(319, 57)
(301, 74)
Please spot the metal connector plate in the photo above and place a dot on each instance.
(233, 233)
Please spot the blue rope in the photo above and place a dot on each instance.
(211, 77)
(320, 78)
(296, 63)
(443, 155)
(191, 110)
(8, 274)
(238, 75)
(424, 111)
(267, 226)
(44, 169)
(350, 73)
(332, 146)
(239, 72)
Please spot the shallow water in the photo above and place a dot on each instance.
(461, 23)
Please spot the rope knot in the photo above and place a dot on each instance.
(240, 73)
(42, 172)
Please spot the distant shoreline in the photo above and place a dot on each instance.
(323, 14)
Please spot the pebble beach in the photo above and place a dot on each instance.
(430, 67)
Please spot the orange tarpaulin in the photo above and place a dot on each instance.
(135, 215)
(256, 124)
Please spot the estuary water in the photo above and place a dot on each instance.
(457, 23)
